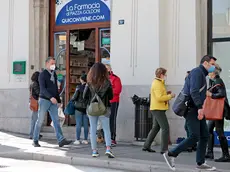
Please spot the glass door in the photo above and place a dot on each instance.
(104, 38)
(60, 56)
(219, 43)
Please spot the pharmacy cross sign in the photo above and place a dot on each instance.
(82, 11)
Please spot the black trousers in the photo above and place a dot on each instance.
(113, 120)
(219, 125)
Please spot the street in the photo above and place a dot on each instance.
(12, 165)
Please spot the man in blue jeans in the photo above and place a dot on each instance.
(48, 102)
(195, 86)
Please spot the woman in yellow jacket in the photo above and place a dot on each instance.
(158, 106)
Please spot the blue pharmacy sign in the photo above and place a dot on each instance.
(82, 11)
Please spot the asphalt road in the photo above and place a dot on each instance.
(12, 165)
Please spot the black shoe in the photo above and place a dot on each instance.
(189, 149)
(64, 142)
(223, 159)
(148, 150)
(36, 144)
(40, 136)
(194, 148)
(30, 138)
(209, 155)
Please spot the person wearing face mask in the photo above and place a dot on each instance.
(117, 88)
(216, 91)
(80, 111)
(195, 87)
(48, 102)
(158, 106)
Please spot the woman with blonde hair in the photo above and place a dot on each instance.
(158, 106)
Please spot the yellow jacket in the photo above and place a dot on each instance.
(159, 97)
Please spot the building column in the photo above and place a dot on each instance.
(39, 40)
(183, 35)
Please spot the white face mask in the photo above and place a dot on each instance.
(52, 67)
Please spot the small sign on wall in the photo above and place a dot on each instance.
(19, 67)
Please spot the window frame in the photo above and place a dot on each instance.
(210, 39)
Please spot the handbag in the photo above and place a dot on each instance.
(33, 103)
(213, 109)
(181, 104)
(70, 108)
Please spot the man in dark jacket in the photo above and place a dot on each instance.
(48, 101)
(195, 86)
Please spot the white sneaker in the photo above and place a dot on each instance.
(85, 142)
(206, 167)
(170, 161)
(77, 142)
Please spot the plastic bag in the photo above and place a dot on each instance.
(61, 117)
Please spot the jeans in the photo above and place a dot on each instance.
(44, 106)
(93, 120)
(81, 118)
(186, 128)
(113, 119)
(34, 118)
(198, 132)
(160, 121)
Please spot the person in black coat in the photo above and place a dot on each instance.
(80, 111)
(216, 91)
(34, 91)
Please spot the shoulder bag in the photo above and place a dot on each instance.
(33, 102)
(181, 104)
(213, 108)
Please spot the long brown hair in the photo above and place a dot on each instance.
(97, 75)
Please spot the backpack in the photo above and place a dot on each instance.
(79, 103)
(96, 106)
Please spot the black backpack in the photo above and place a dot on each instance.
(79, 102)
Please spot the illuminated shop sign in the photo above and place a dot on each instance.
(82, 11)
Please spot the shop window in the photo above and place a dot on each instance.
(221, 18)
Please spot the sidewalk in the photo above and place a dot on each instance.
(128, 157)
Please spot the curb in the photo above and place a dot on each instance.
(83, 160)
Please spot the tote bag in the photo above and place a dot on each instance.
(213, 108)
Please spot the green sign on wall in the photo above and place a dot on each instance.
(19, 67)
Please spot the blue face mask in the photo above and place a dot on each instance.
(211, 69)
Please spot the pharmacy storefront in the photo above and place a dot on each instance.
(134, 36)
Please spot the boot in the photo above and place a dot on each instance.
(209, 154)
(225, 152)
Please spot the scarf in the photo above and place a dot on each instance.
(52, 76)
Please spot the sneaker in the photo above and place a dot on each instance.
(77, 142)
(170, 161)
(109, 154)
(113, 143)
(223, 159)
(206, 167)
(36, 144)
(95, 154)
(64, 142)
(85, 142)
